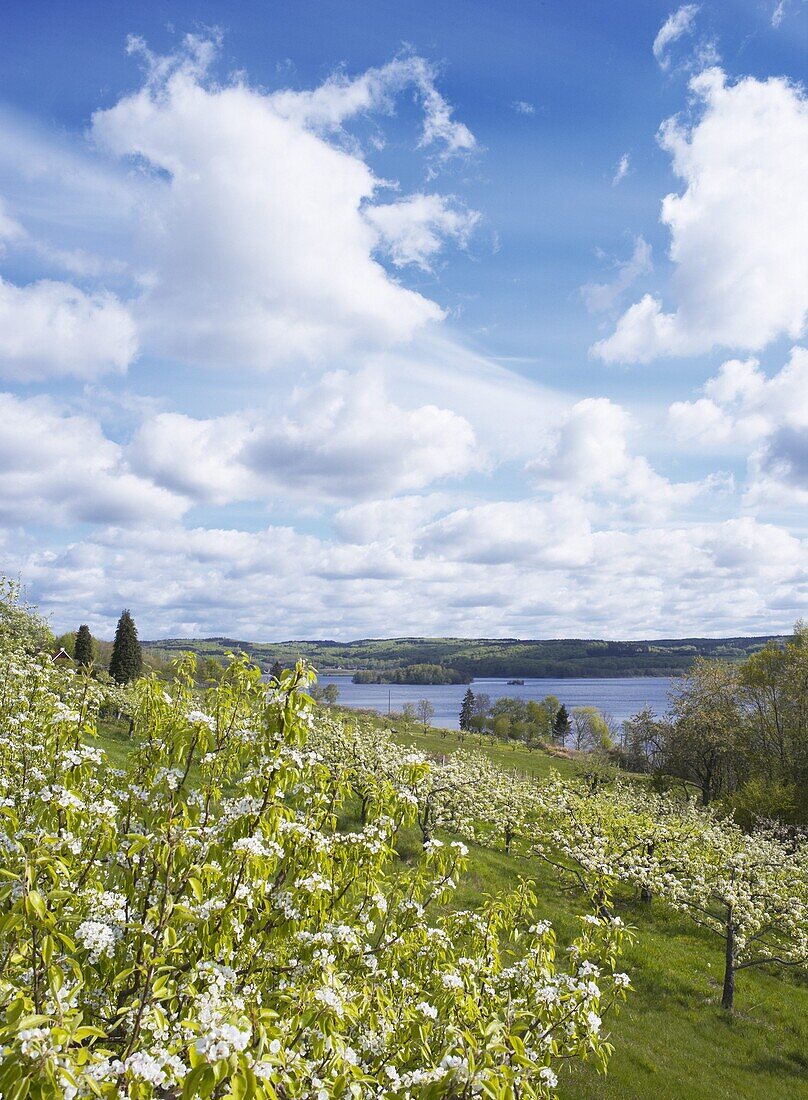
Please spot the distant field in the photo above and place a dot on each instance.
(484, 656)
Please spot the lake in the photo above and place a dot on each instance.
(618, 697)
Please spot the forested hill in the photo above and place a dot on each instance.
(484, 656)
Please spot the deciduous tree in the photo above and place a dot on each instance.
(426, 712)
(590, 730)
(774, 697)
(331, 694)
(701, 743)
(750, 889)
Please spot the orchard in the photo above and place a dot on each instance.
(203, 923)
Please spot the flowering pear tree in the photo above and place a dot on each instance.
(368, 758)
(617, 834)
(444, 793)
(506, 805)
(751, 890)
(199, 925)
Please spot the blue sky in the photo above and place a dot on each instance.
(349, 319)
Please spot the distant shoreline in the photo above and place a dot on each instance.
(481, 658)
(619, 697)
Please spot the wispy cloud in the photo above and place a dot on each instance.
(522, 107)
(675, 26)
(603, 296)
(781, 9)
(622, 170)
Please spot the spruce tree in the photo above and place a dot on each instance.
(276, 671)
(561, 725)
(83, 647)
(467, 710)
(126, 662)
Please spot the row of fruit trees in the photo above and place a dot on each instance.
(748, 888)
(228, 917)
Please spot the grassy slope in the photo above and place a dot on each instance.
(113, 737)
(672, 1040)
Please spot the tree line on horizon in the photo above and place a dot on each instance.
(462, 660)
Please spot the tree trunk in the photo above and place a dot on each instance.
(426, 825)
(728, 995)
(645, 891)
(601, 908)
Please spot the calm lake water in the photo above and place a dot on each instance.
(618, 697)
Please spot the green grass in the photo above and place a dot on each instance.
(672, 1039)
(114, 739)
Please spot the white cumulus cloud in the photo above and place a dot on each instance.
(341, 439)
(739, 231)
(58, 469)
(765, 417)
(259, 234)
(554, 533)
(743, 405)
(590, 454)
(414, 230)
(518, 568)
(51, 329)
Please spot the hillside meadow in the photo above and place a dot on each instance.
(671, 1039)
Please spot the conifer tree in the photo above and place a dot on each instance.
(126, 662)
(83, 647)
(276, 671)
(467, 710)
(561, 724)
